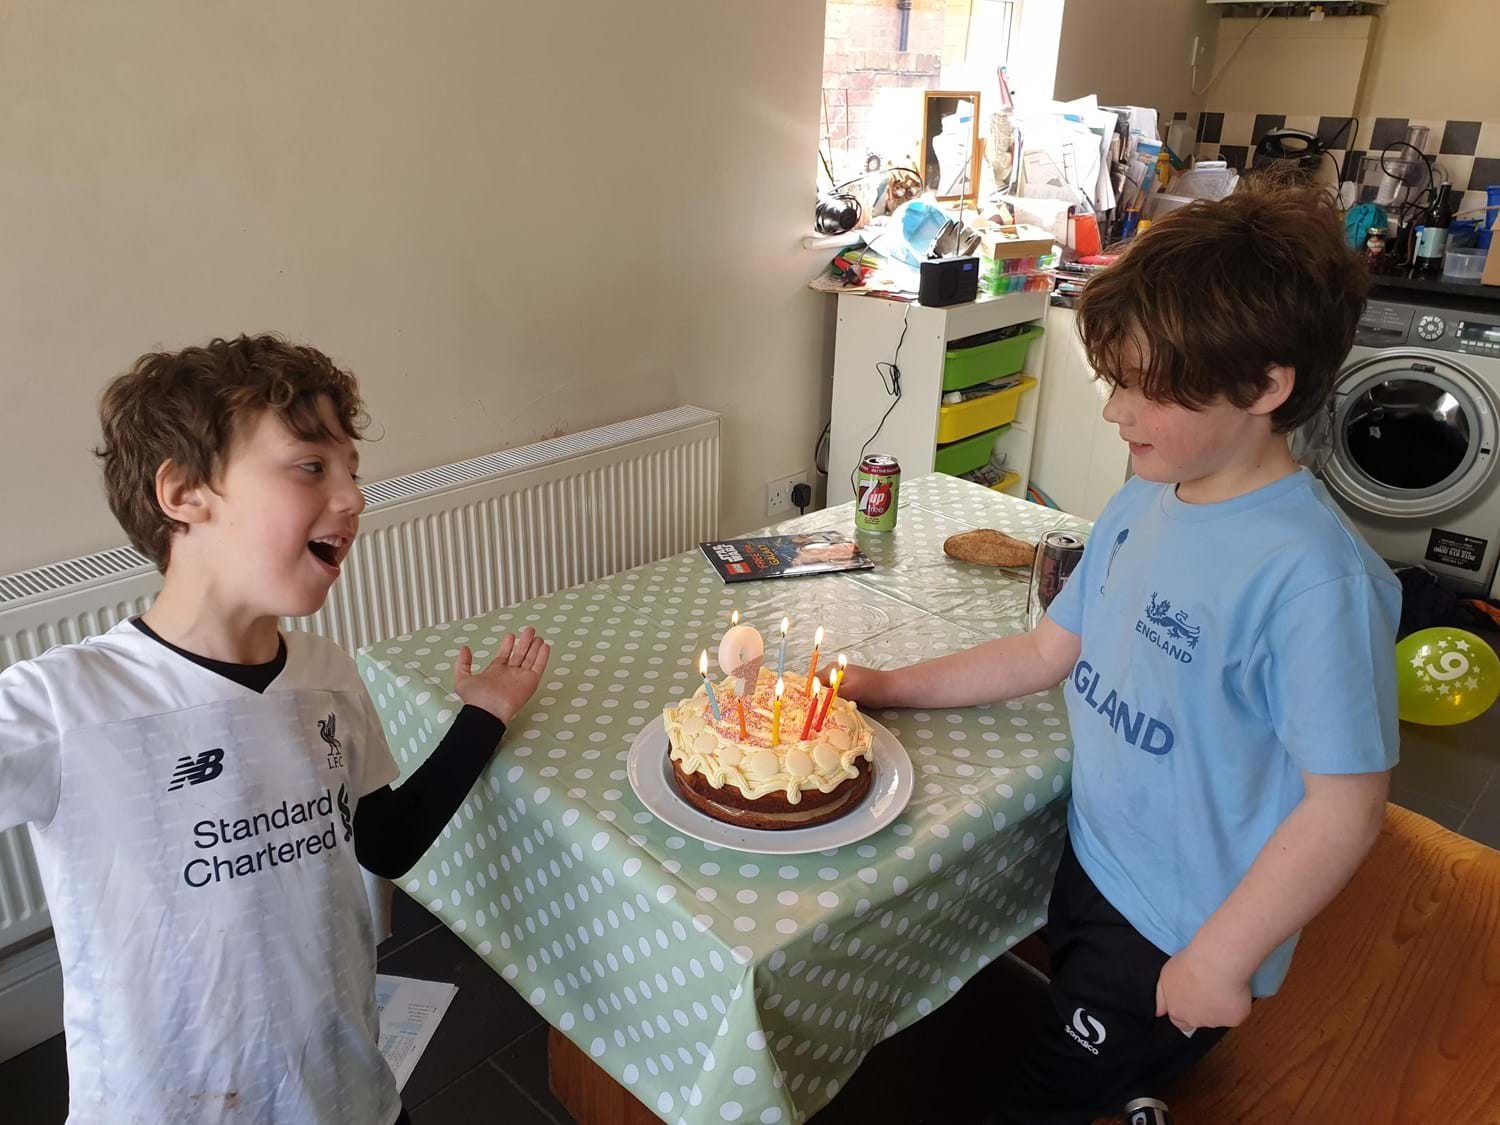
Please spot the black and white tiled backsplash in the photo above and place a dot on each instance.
(1465, 153)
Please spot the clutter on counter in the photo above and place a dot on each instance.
(1061, 185)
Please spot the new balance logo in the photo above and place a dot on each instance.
(195, 771)
(1087, 1031)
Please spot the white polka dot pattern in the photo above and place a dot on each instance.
(718, 986)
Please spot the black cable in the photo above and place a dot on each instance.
(819, 463)
(1350, 126)
(892, 384)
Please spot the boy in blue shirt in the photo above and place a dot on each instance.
(1226, 649)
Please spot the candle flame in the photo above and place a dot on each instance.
(843, 663)
(817, 688)
(786, 623)
(734, 618)
(818, 638)
(703, 663)
(780, 687)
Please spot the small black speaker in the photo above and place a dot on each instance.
(948, 281)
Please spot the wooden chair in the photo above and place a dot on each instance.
(1391, 1012)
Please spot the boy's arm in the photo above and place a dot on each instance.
(1303, 866)
(30, 749)
(394, 827)
(999, 669)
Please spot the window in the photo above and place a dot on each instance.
(878, 57)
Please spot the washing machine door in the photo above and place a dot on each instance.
(1413, 434)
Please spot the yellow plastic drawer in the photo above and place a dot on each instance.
(961, 419)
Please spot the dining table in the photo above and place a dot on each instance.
(707, 982)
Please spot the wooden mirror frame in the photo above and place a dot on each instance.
(930, 96)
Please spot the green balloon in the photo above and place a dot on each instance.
(1445, 676)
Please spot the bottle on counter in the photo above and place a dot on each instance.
(1432, 242)
(1375, 245)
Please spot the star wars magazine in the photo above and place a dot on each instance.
(784, 556)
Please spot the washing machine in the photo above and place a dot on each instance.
(1410, 437)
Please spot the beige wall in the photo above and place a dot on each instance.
(1434, 59)
(1134, 52)
(510, 220)
(1419, 59)
(1293, 66)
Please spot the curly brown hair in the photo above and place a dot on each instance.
(187, 407)
(1212, 296)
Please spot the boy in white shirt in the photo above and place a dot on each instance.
(202, 788)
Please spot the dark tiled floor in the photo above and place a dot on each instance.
(488, 1060)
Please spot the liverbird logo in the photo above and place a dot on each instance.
(325, 729)
(1160, 613)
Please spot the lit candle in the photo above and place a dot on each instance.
(744, 730)
(812, 672)
(786, 623)
(812, 709)
(703, 671)
(833, 690)
(776, 712)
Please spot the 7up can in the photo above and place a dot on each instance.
(877, 489)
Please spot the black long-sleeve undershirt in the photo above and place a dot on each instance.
(392, 827)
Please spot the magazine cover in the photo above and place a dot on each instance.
(784, 556)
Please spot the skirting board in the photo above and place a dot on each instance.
(31, 998)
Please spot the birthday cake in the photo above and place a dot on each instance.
(777, 771)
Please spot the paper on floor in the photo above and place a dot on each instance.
(409, 1014)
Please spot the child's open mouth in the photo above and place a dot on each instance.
(329, 550)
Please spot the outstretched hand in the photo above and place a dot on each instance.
(861, 684)
(512, 677)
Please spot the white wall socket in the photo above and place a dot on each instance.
(779, 496)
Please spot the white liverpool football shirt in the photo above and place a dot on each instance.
(195, 841)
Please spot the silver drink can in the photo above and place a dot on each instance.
(1147, 1111)
(1057, 556)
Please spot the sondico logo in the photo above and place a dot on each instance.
(1086, 1031)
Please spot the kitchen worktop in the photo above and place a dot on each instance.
(1409, 285)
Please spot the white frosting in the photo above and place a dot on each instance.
(714, 749)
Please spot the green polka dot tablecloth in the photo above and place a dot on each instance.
(716, 985)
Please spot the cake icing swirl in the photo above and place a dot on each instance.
(828, 758)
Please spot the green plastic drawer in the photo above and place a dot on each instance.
(964, 367)
(959, 457)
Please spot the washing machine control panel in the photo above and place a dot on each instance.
(1477, 337)
(1384, 325)
(1392, 324)
(1430, 327)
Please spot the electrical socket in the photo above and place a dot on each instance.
(779, 496)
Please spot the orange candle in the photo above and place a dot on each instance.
(744, 731)
(776, 713)
(833, 691)
(812, 709)
(812, 672)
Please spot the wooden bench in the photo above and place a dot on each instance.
(1391, 1012)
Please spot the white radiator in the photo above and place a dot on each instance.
(433, 546)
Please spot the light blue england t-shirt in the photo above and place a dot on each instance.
(1226, 648)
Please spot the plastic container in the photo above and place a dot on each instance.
(967, 367)
(1463, 265)
(960, 457)
(962, 419)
